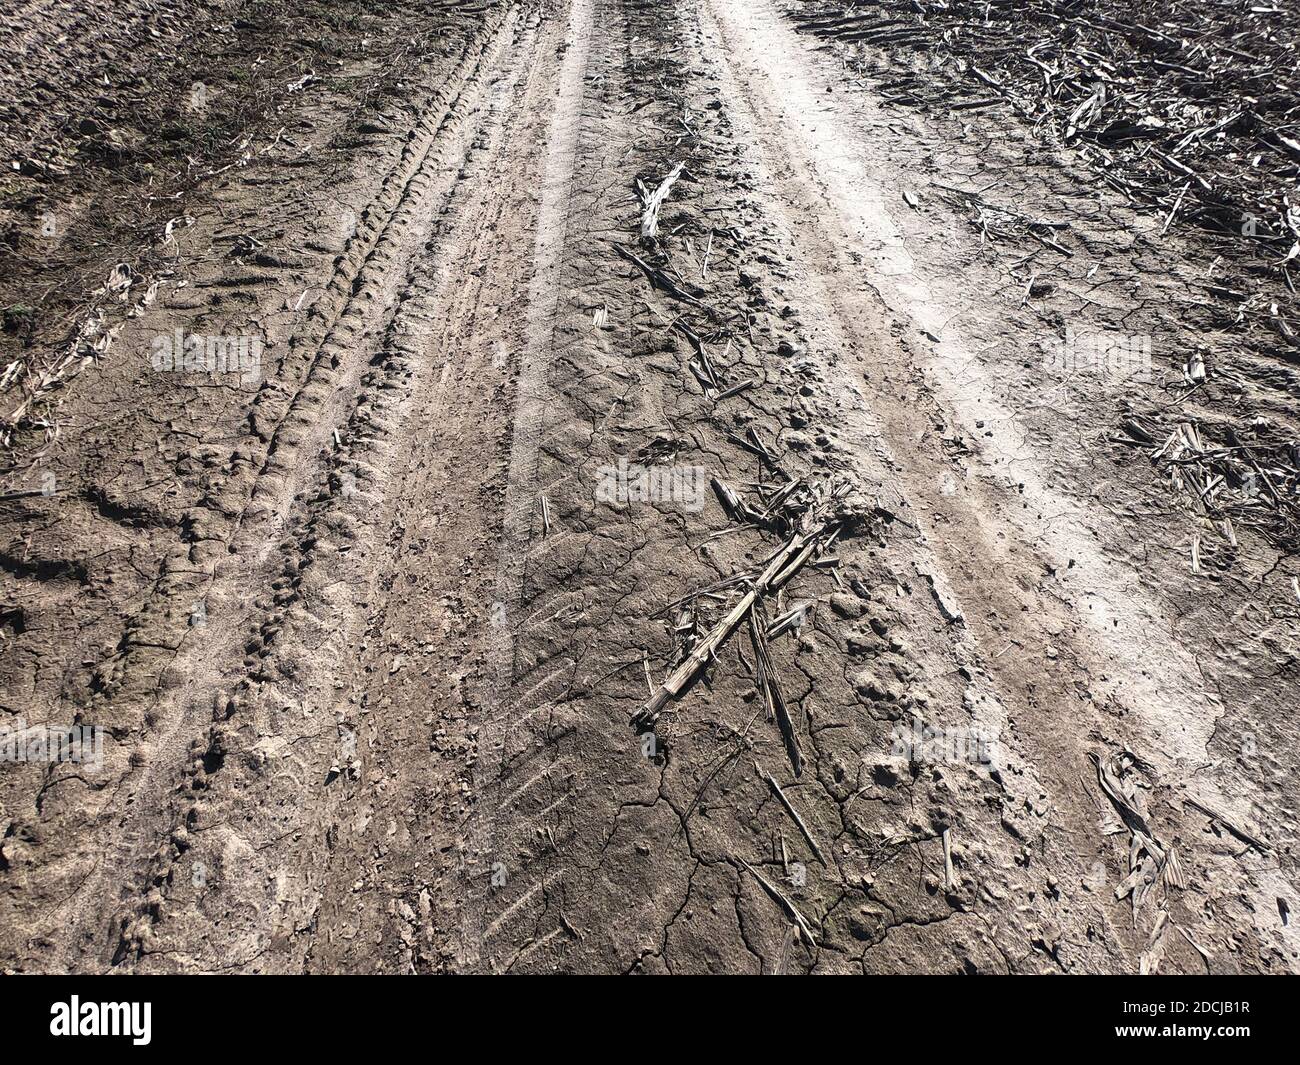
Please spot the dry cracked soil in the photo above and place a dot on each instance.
(597, 486)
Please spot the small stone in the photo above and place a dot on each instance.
(863, 924)
(868, 684)
(847, 606)
(861, 643)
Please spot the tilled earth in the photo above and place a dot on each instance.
(374, 622)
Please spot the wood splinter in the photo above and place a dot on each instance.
(789, 808)
(653, 201)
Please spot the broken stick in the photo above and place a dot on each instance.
(703, 651)
(653, 201)
(785, 903)
(789, 808)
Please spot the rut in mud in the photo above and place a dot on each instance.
(376, 598)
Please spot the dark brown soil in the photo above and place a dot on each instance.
(374, 620)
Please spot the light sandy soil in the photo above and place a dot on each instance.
(372, 643)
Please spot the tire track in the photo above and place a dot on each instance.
(301, 647)
(333, 406)
(533, 404)
(1087, 633)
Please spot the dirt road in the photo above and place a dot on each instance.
(374, 619)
